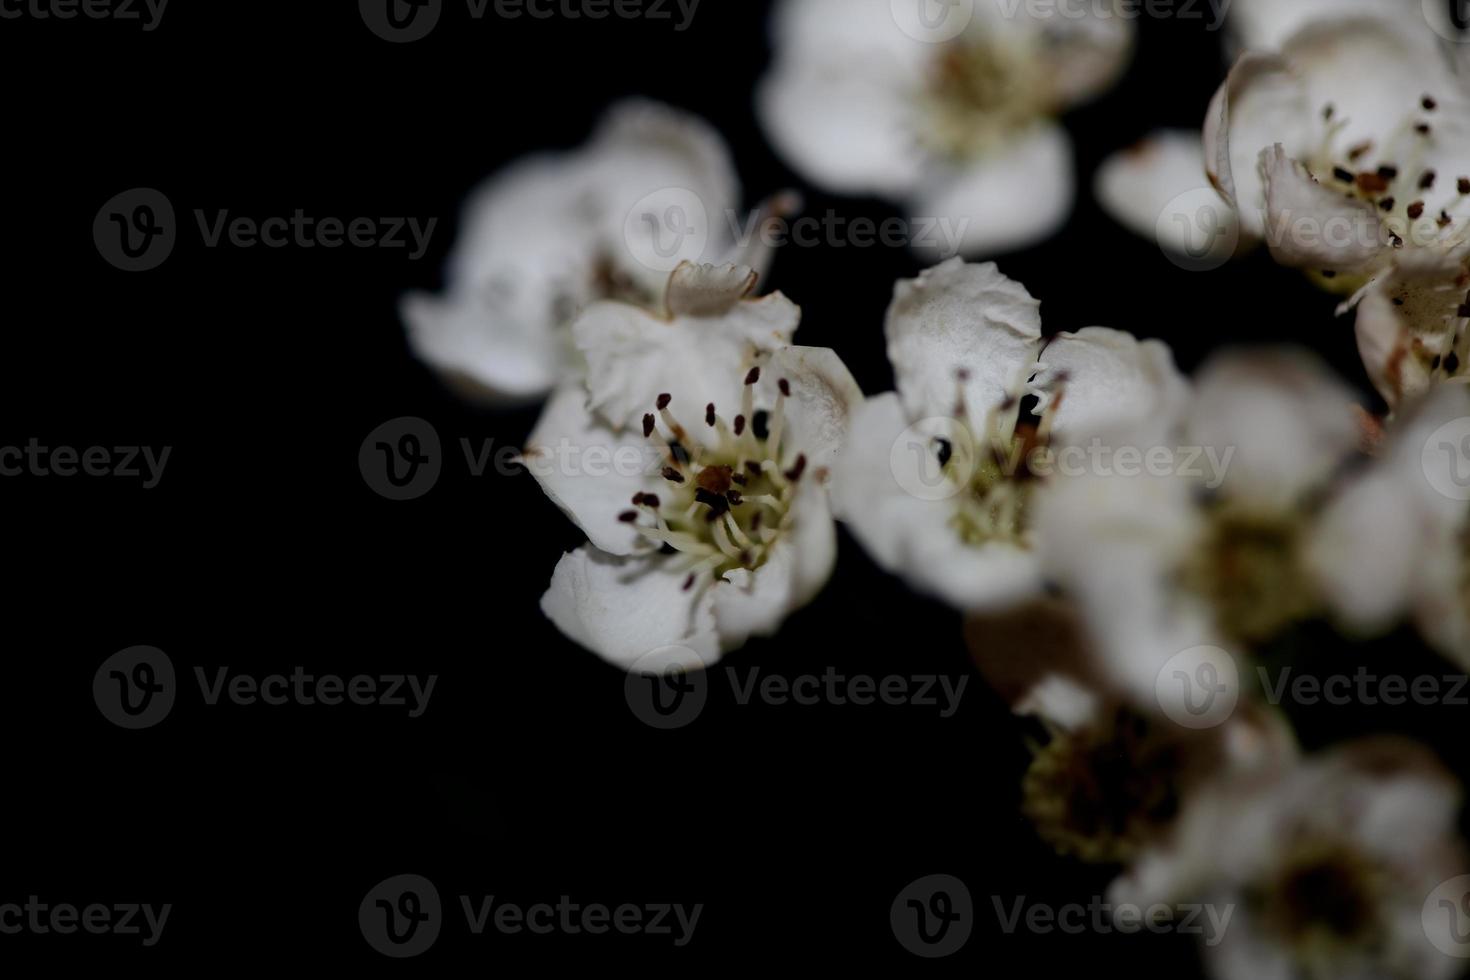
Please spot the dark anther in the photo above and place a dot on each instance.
(713, 501)
(709, 415)
(1387, 203)
(761, 425)
(1427, 181)
(785, 387)
(663, 401)
(628, 516)
(1416, 210)
(794, 474)
(647, 425)
(1343, 174)
(1388, 172)
(753, 376)
(739, 425)
(1429, 104)
(673, 475)
(679, 453)
(734, 497)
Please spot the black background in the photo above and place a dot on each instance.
(262, 548)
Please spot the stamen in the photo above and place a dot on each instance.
(1427, 181)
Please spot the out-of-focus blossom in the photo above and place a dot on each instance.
(1211, 554)
(1110, 776)
(953, 118)
(938, 478)
(1324, 869)
(1395, 540)
(1157, 189)
(555, 232)
(696, 457)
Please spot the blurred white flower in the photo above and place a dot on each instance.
(1349, 154)
(720, 526)
(1325, 867)
(1162, 563)
(1395, 540)
(937, 478)
(1110, 776)
(954, 118)
(557, 231)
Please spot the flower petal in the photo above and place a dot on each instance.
(1004, 200)
(1261, 103)
(958, 316)
(1111, 378)
(1288, 420)
(823, 398)
(1311, 226)
(625, 608)
(589, 470)
(1158, 190)
(633, 357)
(1406, 323)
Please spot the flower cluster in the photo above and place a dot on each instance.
(1130, 550)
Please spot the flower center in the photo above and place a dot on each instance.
(980, 92)
(723, 507)
(1103, 792)
(989, 463)
(1420, 206)
(1250, 571)
(1325, 896)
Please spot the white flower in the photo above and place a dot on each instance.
(1212, 553)
(715, 525)
(1349, 154)
(938, 477)
(954, 120)
(555, 232)
(1395, 540)
(1324, 868)
(1158, 188)
(1110, 775)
